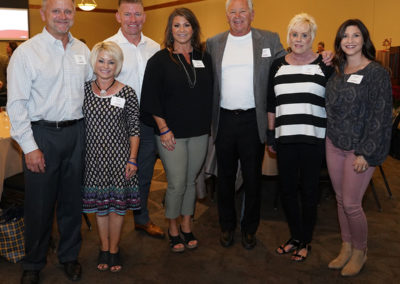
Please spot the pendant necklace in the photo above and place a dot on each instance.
(104, 92)
(191, 84)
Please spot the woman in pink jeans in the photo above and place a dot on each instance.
(358, 106)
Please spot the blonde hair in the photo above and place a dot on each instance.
(112, 49)
(302, 18)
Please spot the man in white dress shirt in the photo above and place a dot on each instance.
(137, 49)
(46, 77)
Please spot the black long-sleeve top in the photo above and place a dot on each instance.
(166, 93)
(359, 115)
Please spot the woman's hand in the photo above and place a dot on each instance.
(168, 141)
(131, 169)
(360, 164)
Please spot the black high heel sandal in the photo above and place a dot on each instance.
(103, 259)
(187, 238)
(114, 261)
(175, 240)
(294, 243)
(296, 257)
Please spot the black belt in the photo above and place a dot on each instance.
(56, 124)
(238, 111)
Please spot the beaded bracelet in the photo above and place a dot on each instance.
(165, 132)
(132, 163)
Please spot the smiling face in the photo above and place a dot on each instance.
(58, 16)
(105, 66)
(352, 41)
(300, 39)
(131, 16)
(239, 17)
(182, 31)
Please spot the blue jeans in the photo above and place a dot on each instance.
(146, 159)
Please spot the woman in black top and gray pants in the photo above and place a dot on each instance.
(177, 95)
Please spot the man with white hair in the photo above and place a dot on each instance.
(242, 58)
(46, 76)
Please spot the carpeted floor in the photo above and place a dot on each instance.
(148, 260)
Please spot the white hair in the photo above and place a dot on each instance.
(302, 18)
(249, 3)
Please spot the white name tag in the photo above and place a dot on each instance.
(309, 69)
(198, 64)
(118, 102)
(266, 52)
(80, 59)
(355, 79)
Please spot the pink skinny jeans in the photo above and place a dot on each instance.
(349, 187)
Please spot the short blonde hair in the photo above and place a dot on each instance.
(302, 18)
(110, 48)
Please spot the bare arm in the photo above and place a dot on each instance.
(131, 165)
(167, 139)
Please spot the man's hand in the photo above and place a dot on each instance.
(35, 161)
(327, 57)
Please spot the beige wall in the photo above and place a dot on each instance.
(381, 17)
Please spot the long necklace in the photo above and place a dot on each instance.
(191, 84)
(104, 92)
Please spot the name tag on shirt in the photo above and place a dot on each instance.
(118, 102)
(355, 79)
(80, 59)
(266, 52)
(198, 64)
(309, 69)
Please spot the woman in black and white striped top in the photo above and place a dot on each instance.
(296, 130)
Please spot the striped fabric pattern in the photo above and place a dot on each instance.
(299, 96)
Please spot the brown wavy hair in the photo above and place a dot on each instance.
(368, 48)
(191, 18)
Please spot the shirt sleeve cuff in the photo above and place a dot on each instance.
(29, 146)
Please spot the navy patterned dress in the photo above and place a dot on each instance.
(108, 129)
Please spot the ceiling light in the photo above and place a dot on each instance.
(87, 5)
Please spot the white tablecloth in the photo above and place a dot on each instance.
(10, 153)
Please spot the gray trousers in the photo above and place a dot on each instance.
(182, 165)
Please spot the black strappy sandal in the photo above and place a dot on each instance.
(187, 238)
(175, 240)
(296, 257)
(294, 243)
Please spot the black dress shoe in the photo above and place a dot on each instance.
(226, 238)
(30, 277)
(73, 270)
(248, 240)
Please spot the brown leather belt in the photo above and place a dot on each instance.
(56, 124)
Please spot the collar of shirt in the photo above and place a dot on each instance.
(52, 40)
(121, 39)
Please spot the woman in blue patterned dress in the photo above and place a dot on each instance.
(111, 114)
